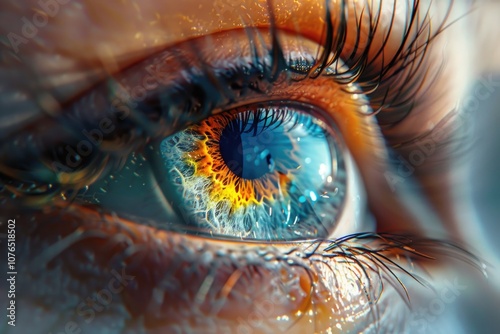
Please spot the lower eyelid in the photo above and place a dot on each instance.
(206, 279)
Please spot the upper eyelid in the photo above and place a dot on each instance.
(38, 160)
(100, 73)
(86, 112)
(93, 105)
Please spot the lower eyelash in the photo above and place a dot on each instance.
(376, 263)
(386, 259)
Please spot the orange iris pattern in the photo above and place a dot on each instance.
(207, 162)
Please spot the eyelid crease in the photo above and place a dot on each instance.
(317, 68)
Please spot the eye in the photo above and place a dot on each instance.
(142, 175)
(265, 172)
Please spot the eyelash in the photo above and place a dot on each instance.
(384, 258)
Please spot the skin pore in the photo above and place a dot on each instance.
(91, 269)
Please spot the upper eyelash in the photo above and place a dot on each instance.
(390, 104)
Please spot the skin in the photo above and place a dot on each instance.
(168, 273)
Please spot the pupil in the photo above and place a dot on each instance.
(243, 153)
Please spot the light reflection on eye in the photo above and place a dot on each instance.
(268, 172)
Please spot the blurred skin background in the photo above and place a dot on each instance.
(106, 264)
